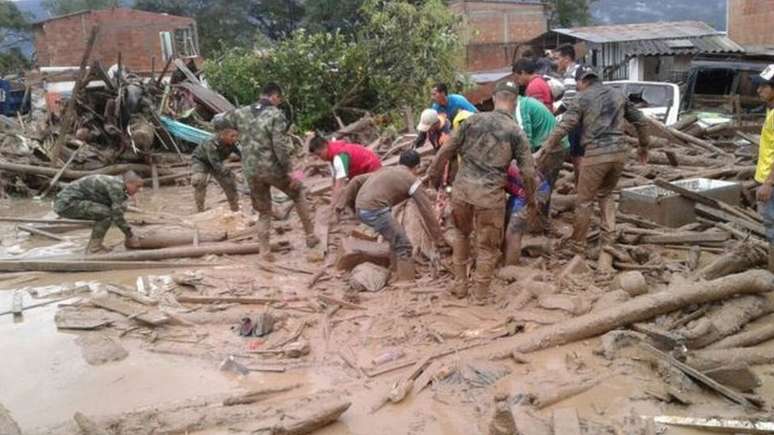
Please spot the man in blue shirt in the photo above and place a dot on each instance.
(449, 104)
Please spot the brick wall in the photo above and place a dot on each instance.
(492, 30)
(134, 34)
(751, 22)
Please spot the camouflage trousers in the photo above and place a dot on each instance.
(199, 179)
(489, 225)
(102, 215)
(260, 196)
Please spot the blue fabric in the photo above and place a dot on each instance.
(454, 104)
(766, 209)
(382, 221)
(185, 131)
(516, 203)
(576, 149)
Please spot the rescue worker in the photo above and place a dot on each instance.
(436, 127)
(373, 196)
(100, 198)
(266, 162)
(568, 69)
(450, 104)
(764, 173)
(600, 112)
(486, 144)
(348, 160)
(516, 210)
(208, 159)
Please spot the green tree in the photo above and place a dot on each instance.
(12, 25)
(333, 15)
(387, 62)
(570, 13)
(63, 7)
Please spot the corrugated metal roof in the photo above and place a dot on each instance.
(698, 45)
(641, 31)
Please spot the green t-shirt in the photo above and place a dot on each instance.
(537, 122)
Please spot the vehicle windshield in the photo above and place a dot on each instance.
(647, 95)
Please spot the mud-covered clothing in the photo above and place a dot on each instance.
(596, 183)
(487, 143)
(600, 111)
(516, 207)
(100, 198)
(489, 224)
(348, 160)
(266, 146)
(210, 157)
(434, 135)
(536, 122)
(374, 194)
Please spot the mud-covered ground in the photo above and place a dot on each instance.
(46, 378)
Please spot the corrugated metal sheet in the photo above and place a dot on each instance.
(666, 47)
(641, 31)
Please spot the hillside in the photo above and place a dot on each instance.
(712, 12)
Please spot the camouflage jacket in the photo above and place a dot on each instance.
(600, 111)
(102, 189)
(487, 143)
(212, 154)
(266, 146)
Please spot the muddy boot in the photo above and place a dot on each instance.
(264, 235)
(405, 270)
(200, 193)
(302, 207)
(771, 257)
(98, 232)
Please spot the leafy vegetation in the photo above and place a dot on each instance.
(63, 7)
(388, 62)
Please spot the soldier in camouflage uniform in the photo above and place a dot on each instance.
(486, 143)
(101, 198)
(207, 159)
(600, 111)
(266, 149)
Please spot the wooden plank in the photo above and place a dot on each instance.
(686, 237)
(728, 217)
(40, 304)
(718, 425)
(180, 65)
(566, 422)
(46, 221)
(143, 314)
(39, 232)
(227, 300)
(155, 177)
(701, 378)
(58, 175)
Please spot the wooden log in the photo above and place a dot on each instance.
(718, 425)
(701, 378)
(355, 251)
(86, 266)
(742, 257)
(739, 377)
(39, 232)
(549, 397)
(47, 221)
(687, 237)
(640, 309)
(257, 395)
(687, 138)
(726, 320)
(167, 239)
(58, 175)
(71, 174)
(713, 212)
(714, 358)
(685, 122)
(746, 339)
(182, 252)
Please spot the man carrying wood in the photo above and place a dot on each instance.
(266, 162)
(348, 160)
(100, 198)
(764, 173)
(486, 143)
(208, 159)
(373, 195)
(600, 111)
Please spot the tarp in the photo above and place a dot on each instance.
(185, 131)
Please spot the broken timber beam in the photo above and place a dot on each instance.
(39, 232)
(86, 266)
(227, 300)
(687, 237)
(182, 252)
(718, 425)
(746, 339)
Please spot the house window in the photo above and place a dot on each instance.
(180, 43)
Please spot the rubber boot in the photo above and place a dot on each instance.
(200, 193)
(98, 232)
(302, 208)
(405, 269)
(607, 234)
(580, 229)
(264, 234)
(460, 253)
(771, 257)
